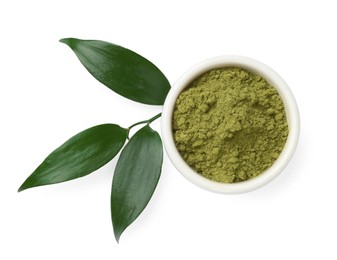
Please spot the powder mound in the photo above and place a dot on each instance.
(230, 125)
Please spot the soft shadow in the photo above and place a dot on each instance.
(288, 176)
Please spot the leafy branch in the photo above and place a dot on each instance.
(138, 168)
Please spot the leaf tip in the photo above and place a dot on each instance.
(26, 185)
(118, 230)
(69, 41)
(117, 236)
(22, 188)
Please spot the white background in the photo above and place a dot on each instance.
(47, 96)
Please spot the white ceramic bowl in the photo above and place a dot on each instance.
(292, 115)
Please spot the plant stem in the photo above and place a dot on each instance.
(149, 121)
(154, 118)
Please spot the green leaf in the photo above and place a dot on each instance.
(135, 179)
(122, 70)
(80, 155)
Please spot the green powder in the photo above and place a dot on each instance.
(230, 125)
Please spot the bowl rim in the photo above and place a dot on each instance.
(292, 115)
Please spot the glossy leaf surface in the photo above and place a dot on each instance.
(122, 70)
(79, 156)
(135, 179)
